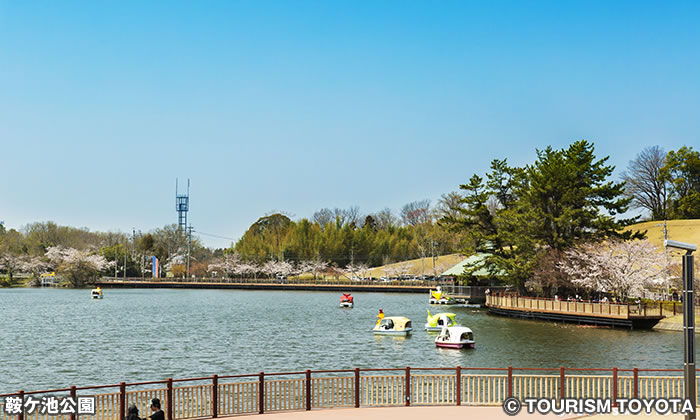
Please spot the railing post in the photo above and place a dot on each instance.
(169, 395)
(614, 390)
(562, 383)
(74, 396)
(458, 391)
(645, 309)
(308, 390)
(510, 381)
(408, 386)
(674, 307)
(661, 309)
(122, 400)
(636, 383)
(215, 396)
(357, 387)
(21, 411)
(261, 393)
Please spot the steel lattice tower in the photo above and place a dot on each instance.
(182, 206)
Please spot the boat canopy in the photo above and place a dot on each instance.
(459, 332)
(434, 320)
(399, 323)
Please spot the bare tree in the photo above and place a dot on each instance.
(323, 217)
(644, 184)
(416, 213)
(385, 219)
(448, 206)
(352, 215)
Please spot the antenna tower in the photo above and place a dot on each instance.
(182, 206)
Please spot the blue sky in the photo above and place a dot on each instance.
(295, 106)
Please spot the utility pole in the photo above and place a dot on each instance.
(688, 322)
(125, 260)
(133, 242)
(667, 271)
(432, 251)
(189, 248)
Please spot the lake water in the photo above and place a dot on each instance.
(53, 338)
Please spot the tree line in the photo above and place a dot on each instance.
(343, 237)
(527, 220)
(78, 254)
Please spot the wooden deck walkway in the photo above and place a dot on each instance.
(597, 313)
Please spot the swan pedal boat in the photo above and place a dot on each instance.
(438, 321)
(346, 301)
(457, 337)
(438, 298)
(96, 293)
(393, 325)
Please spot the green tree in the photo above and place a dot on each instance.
(682, 169)
(12, 248)
(562, 198)
(304, 241)
(569, 198)
(265, 239)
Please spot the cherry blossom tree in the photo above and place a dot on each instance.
(252, 269)
(613, 266)
(398, 270)
(356, 270)
(34, 265)
(230, 265)
(74, 266)
(317, 267)
(10, 263)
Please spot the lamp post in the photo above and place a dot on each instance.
(688, 321)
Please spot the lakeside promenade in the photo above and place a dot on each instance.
(370, 393)
(421, 413)
(408, 413)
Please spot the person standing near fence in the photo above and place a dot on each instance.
(157, 412)
(132, 413)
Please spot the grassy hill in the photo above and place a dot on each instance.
(417, 266)
(678, 230)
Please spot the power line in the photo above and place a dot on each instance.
(215, 236)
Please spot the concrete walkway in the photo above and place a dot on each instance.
(421, 413)
(400, 413)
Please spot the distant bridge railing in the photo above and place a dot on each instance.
(216, 396)
(448, 287)
(292, 281)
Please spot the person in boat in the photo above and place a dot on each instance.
(380, 316)
(157, 412)
(132, 413)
